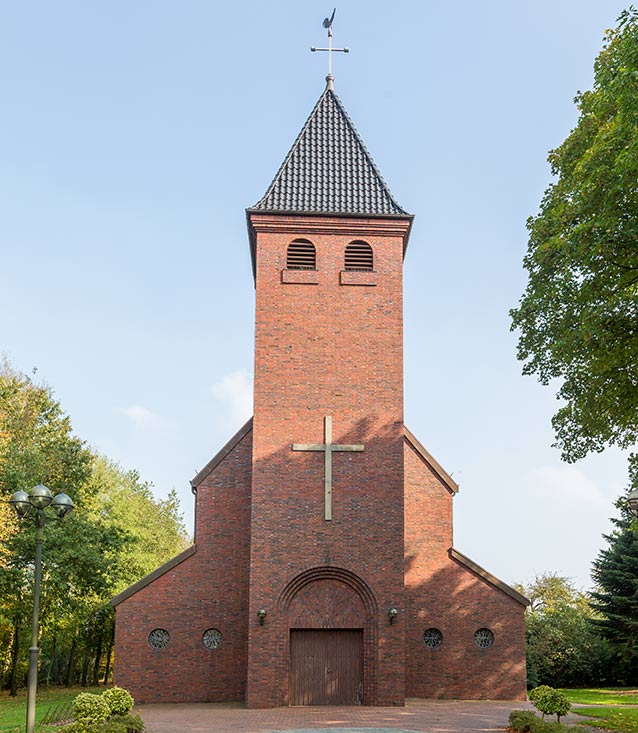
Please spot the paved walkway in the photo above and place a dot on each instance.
(431, 716)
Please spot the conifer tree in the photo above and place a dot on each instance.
(615, 572)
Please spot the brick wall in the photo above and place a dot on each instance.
(444, 594)
(327, 348)
(207, 590)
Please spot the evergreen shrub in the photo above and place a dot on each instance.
(89, 708)
(525, 721)
(78, 727)
(105, 713)
(550, 701)
(120, 701)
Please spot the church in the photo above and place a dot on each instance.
(323, 570)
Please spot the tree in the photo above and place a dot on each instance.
(615, 572)
(564, 649)
(578, 317)
(36, 446)
(118, 533)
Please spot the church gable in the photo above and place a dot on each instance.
(221, 454)
(435, 467)
(207, 585)
(485, 575)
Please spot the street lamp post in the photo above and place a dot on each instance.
(34, 504)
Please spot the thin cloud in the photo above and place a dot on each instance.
(143, 418)
(567, 482)
(234, 393)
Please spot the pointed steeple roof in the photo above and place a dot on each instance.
(329, 170)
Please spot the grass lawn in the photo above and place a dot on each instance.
(13, 710)
(610, 718)
(603, 696)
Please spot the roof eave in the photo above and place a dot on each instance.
(148, 579)
(222, 453)
(487, 576)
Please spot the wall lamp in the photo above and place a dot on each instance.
(261, 615)
(392, 614)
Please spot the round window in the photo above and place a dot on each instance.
(212, 638)
(159, 638)
(432, 638)
(483, 638)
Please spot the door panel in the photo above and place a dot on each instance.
(326, 666)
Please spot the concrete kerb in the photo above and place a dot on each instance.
(418, 716)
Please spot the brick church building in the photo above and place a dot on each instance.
(323, 569)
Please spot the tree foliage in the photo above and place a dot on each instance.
(578, 317)
(118, 533)
(615, 572)
(564, 648)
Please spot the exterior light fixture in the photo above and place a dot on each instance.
(261, 615)
(33, 504)
(632, 501)
(392, 614)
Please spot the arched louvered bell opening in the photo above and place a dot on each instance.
(301, 255)
(359, 256)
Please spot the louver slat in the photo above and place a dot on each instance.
(359, 256)
(301, 256)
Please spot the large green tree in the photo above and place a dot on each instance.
(564, 648)
(118, 533)
(578, 317)
(37, 446)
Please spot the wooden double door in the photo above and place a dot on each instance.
(326, 667)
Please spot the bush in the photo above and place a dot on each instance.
(115, 724)
(79, 727)
(119, 700)
(538, 692)
(134, 722)
(88, 708)
(550, 701)
(525, 721)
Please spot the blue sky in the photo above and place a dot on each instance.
(134, 135)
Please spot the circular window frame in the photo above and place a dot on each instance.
(432, 638)
(158, 638)
(215, 637)
(484, 638)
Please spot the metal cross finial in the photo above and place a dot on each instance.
(327, 23)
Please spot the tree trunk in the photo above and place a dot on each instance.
(109, 655)
(85, 667)
(98, 659)
(51, 660)
(15, 648)
(69, 670)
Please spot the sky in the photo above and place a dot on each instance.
(134, 135)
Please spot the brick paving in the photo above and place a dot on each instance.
(418, 716)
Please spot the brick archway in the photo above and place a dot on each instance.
(329, 598)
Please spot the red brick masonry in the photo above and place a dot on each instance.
(328, 342)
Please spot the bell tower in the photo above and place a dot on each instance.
(327, 519)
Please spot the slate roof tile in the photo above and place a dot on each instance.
(329, 170)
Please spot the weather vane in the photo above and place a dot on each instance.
(327, 23)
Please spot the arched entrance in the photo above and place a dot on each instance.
(330, 618)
